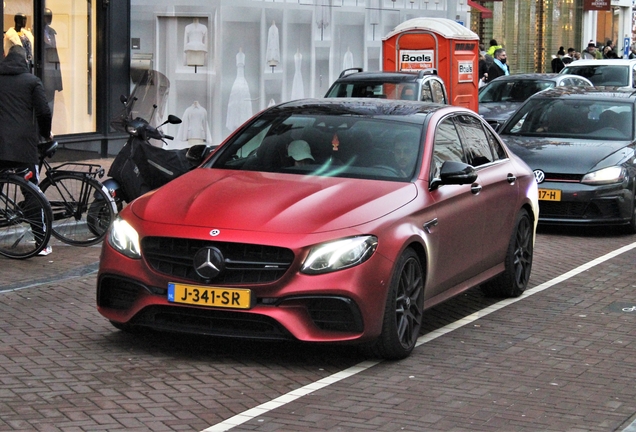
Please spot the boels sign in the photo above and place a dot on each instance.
(416, 59)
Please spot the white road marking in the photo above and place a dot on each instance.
(251, 414)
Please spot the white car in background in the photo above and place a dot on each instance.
(606, 72)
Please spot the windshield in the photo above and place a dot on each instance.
(586, 119)
(512, 91)
(325, 145)
(602, 75)
(147, 101)
(384, 90)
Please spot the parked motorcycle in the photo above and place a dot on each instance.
(141, 166)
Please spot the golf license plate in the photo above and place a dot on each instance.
(549, 195)
(235, 298)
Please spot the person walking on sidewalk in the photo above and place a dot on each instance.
(24, 114)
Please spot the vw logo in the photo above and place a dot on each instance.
(215, 232)
(208, 262)
(539, 176)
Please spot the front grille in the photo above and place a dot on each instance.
(570, 178)
(244, 263)
(117, 293)
(595, 209)
(211, 322)
(335, 314)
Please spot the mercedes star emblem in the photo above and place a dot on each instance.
(209, 262)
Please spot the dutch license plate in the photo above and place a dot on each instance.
(549, 195)
(235, 298)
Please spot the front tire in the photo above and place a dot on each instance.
(518, 263)
(403, 311)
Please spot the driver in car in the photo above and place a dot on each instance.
(405, 153)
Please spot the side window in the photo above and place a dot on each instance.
(496, 147)
(447, 146)
(476, 144)
(427, 95)
(437, 89)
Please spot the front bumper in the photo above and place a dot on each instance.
(587, 205)
(343, 306)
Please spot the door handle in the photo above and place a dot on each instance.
(511, 178)
(475, 188)
(428, 225)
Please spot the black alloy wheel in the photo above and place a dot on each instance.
(518, 263)
(403, 311)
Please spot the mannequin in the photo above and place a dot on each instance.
(19, 35)
(347, 61)
(52, 76)
(195, 43)
(298, 89)
(239, 107)
(272, 55)
(194, 129)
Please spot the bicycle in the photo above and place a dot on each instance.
(82, 207)
(25, 215)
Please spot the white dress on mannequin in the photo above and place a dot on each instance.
(347, 61)
(272, 56)
(194, 129)
(195, 43)
(239, 107)
(298, 90)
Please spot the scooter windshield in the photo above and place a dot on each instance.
(147, 101)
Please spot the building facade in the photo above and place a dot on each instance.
(233, 58)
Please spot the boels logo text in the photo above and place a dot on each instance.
(416, 59)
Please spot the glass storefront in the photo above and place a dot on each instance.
(65, 60)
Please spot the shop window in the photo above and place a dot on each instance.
(67, 67)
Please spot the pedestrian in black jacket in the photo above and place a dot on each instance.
(24, 112)
(24, 117)
(499, 66)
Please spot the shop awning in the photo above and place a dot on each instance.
(485, 12)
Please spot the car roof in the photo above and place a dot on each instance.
(600, 92)
(603, 62)
(363, 107)
(556, 77)
(394, 77)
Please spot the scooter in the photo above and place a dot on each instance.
(141, 166)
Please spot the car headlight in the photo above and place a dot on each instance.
(123, 238)
(339, 254)
(608, 175)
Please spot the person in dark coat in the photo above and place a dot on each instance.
(499, 66)
(24, 117)
(24, 112)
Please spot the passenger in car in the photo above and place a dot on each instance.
(300, 153)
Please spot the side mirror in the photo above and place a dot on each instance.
(173, 119)
(457, 173)
(197, 153)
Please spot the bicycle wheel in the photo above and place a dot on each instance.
(82, 209)
(25, 219)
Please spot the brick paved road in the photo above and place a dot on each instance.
(562, 359)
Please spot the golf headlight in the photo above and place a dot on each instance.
(123, 238)
(339, 254)
(608, 175)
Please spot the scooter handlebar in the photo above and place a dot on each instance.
(168, 137)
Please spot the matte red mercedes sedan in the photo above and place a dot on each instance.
(331, 220)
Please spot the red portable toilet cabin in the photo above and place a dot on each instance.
(439, 43)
